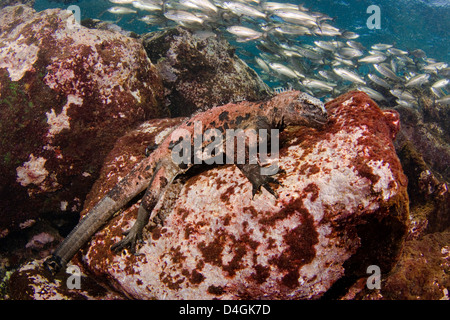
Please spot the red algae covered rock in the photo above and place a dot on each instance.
(342, 207)
(66, 94)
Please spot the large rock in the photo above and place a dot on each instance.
(424, 151)
(201, 71)
(5, 3)
(422, 272)
(66, 94)
(343, 206)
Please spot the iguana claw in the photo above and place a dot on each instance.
(132, 237)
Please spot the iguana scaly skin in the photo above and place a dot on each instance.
(158, 170)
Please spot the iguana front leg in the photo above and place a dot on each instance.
(258, 180)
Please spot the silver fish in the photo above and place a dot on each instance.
(350, 53)
(296, 17)
(327, 30)
(397, 52)
(405, 103)
(242, 9)
(377, 80)
(205, 4)
(355, 45)
(403, 94)
(325, 45)
(440, 83)
(121, 1)
(182, 16)
(381, 46)
(375, 58)
(282, 69)
(350, 35)
(262, 64)
(152, 19)
(435, 66)
(338, 60)
(292, 29)
(418, 53)
(272, 6)
(417, 80)
(385, 71)
(348, 75)
(317, 84)
(328, 75)
(438, 92)
(445, 100)
(245, 32)
(308, 53)
(372, 93)
(121, 10)
(147, 5)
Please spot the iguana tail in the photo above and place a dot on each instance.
(130, 186)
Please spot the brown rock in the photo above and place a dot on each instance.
(66, 94)
(201, 72)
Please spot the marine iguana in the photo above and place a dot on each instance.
(158, 170)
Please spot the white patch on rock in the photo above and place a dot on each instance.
(39, 240)
(27, 223)
(63, 205)
(61, 121)
(18, 57)
(383, 171)
(147, 127)
(32, 171)
(347, 102)
(137, 95)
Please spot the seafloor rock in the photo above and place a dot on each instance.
(200, 71)
(420, 274)
(424, 151)
(342, 206)
(5, 3)
(424, 265)
(31, 282)
(66, 94)
(428, 131)
(423, 270)
(428, 194)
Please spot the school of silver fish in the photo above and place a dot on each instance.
(279, 41)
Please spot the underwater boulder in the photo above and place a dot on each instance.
(342, 207)
(31, 282)
(201, 71)
(424, 151)
(5, 3)
(66, 93)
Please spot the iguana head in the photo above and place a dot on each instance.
(303, 109)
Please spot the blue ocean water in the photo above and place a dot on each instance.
(408, 24)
